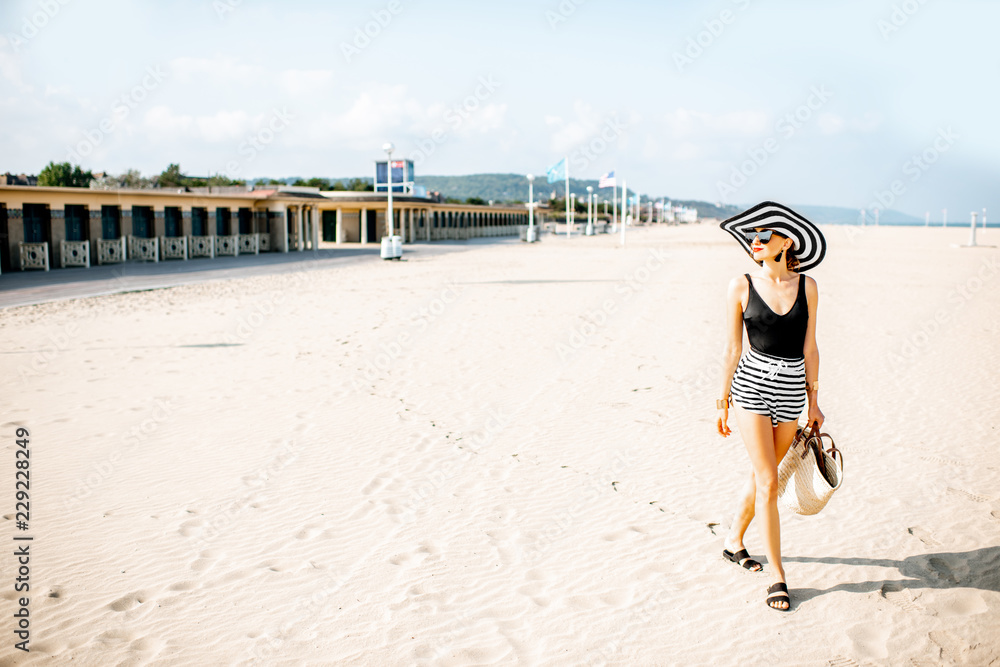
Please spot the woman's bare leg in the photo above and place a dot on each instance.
(783, 433)
(743, 517)
(758, 436)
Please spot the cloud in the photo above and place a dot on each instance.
(219, 127)
(10, 66)
(483, 120)
(687, 150)
(303, 81)
(574, 133)
(373, 115)
(687, 123)
(195, 70)
(831, 123)
(869, 122)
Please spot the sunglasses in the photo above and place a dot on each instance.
(764, 236)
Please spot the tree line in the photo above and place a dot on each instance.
(66, 175)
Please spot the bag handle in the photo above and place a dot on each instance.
(833, 451)
(803, 436)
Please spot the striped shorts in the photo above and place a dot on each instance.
(769, 385)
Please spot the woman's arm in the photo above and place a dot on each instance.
(811, 353)
(734, 347)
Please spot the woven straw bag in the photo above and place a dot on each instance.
(809, 474)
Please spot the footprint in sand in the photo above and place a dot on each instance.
(419, 598)
(923, 535)
(869, 640)
(500, 472)
(54, 593)
(537, 587)
(309, 531)
(503, 542)
(975, 497)
(192, 526)
(942, 461)
(894, 593)
(653, 570)
(953, 649)
(504, 513)
(371, 487)
(626, 533)
(618, 598)
(427, 551)
(842, 661)
(183, 586)
(423, 442)
(206, 560)
(147, 645)
(115, 636)
(129, 602)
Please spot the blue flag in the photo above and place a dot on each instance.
(557, 172)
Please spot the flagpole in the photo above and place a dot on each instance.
(614, 204)
(624, 205)
(566, 162)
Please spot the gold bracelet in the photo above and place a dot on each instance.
(814, 386)
(721, 403)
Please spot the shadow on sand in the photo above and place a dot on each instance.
(979, 568)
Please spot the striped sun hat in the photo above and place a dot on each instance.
(808, 241)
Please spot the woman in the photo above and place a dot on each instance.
(770, 384)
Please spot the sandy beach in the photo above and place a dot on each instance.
(505, 455)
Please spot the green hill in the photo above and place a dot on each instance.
(852, 216)
(514, 188)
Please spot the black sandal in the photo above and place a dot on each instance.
(743, 559)
(772, 596)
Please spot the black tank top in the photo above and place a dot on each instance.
(777, 335)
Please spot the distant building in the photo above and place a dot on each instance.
(19, 179)
(681, 214)
(49, 227)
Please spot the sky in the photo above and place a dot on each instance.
(855, 103)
